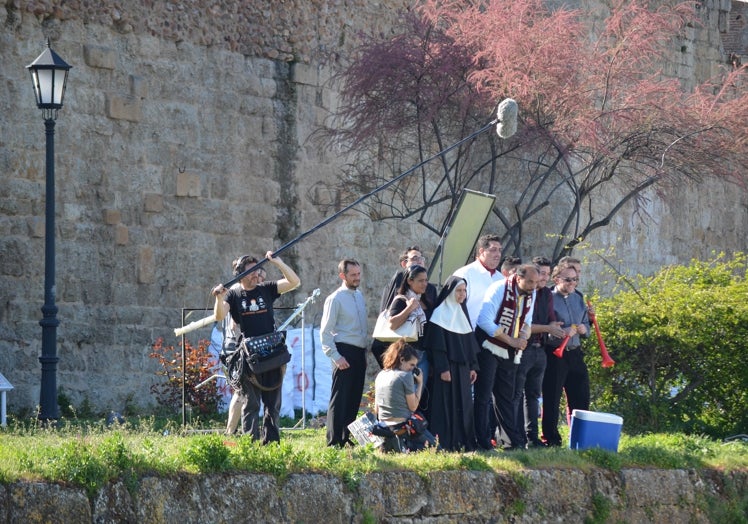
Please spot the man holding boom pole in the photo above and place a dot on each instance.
(251, 307)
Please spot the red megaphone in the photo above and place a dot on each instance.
(559, 351)
(607, 361)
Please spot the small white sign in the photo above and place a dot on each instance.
(4, 384)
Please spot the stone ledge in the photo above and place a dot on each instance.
(400, 496)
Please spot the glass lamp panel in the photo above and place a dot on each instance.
(46, 83)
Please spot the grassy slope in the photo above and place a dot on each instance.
(90, 454)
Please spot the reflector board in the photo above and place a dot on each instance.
(462, 232)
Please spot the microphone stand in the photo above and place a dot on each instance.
(300, 310)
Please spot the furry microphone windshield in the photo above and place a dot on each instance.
(506, 114)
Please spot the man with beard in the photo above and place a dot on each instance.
(528, 386)
(343, 333)
(504, 325)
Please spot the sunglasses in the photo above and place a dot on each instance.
(570, 279)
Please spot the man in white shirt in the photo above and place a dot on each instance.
(481, 273)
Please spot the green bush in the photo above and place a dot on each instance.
(207, 453)
(680, 342)
(76, 462)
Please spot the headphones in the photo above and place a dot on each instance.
(242, 262)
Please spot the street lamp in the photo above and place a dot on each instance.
(49, 75)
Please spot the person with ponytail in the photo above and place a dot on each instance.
(397, 392)
(411, 304)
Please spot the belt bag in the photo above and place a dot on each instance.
(266, 352)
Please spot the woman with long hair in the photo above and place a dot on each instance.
(410, 305)
(397, 392)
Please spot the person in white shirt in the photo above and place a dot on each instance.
(481, 273)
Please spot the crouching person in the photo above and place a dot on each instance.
(397, 392)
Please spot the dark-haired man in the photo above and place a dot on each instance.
(569, 373)
(251, 307)
(343, 333)
(509, 265)
(481, 273)
(529, 382)
(504, 325)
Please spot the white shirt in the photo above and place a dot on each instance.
(491, 308)
(478, 280)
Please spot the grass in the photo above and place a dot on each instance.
(90, 454)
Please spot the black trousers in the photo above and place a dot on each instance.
(527, 391)
(271, 400)
(345, 395)
(567, 374)
(495, 378)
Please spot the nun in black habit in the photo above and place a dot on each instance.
(454, 348)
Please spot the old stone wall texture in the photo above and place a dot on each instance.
(533, 496)
(186, 140)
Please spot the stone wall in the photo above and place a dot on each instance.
(187, 139)
(534, 496)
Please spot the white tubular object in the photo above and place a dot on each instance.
(192, 326)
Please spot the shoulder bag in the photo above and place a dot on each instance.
(382, 331)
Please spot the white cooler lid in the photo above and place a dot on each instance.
(596, 417)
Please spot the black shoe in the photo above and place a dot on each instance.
(535, 443)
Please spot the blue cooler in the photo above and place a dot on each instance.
(594, 430)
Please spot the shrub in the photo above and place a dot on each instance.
(680, 342)
(207, 453)
(199, 366)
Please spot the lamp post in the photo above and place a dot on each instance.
(49, 75)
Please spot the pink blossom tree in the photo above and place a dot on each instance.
(598, 116)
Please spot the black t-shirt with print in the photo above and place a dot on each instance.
(253, 310)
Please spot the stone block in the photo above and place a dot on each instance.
(138, 86)
(645, 488)
(114, 503)
(324, 500)
(124, 108)
(556, 492)
(112, 216)
(121, 235)
(41, 502)
(146, 265)
(225, 498)
(188, 184)
(394, 494)
(36, 227)
(466, 493)
(99, 56)
(153, 202)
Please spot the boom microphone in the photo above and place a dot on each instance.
(506, 114)
(506, 126)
